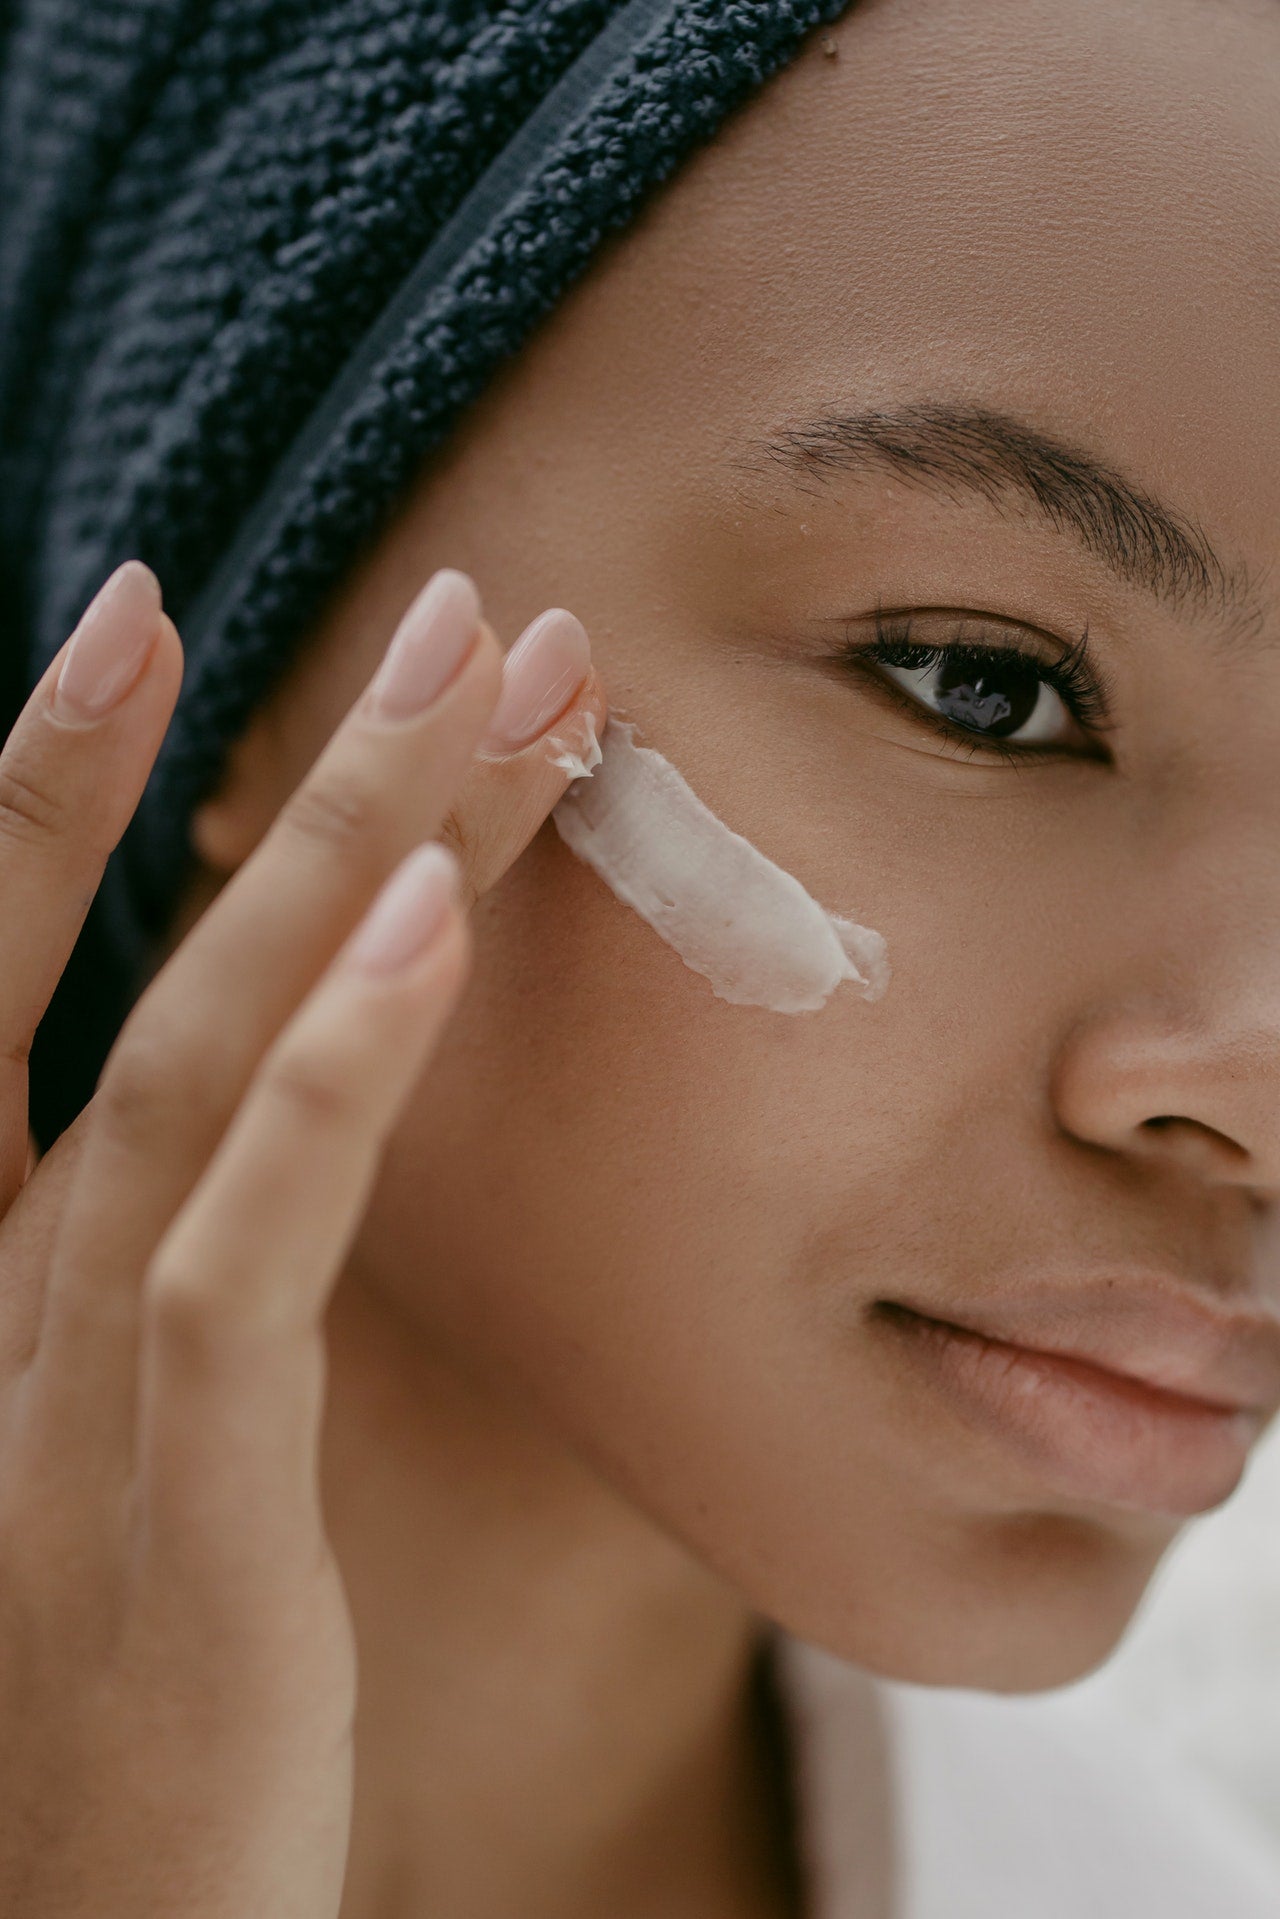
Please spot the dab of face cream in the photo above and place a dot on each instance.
(730, 913)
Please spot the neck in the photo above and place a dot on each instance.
(555, 1710)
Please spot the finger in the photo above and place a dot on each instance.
(190, 1046)
(30, 1231)
(544, 732)
(71, 774)
(233, 1304)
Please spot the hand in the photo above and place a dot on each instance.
(177, 1668)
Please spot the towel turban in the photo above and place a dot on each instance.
(256, 258)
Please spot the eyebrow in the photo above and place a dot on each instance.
(945, 446)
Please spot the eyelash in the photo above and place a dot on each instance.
(1076, 677)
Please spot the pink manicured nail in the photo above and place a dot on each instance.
(111, 642)
(428, 646)
(540, 675)
(408, 912)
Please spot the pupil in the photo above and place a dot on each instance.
(991, 696)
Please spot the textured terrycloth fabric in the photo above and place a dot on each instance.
(205, 207)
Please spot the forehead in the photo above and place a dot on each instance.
(1069, 211)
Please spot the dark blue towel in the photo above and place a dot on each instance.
(256, 256)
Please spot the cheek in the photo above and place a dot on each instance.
(607, 1162)
(624, 1114)
(659, 1221)
(600, 1135)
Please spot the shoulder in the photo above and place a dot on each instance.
(1005, 1806)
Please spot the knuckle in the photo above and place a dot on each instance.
(334, 811)
(314, 1094)
(150, 1080)
(28, 812)
(182, 1304)
(207, 1307)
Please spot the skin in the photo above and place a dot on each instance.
(605, 1382)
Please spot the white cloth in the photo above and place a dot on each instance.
(1199, 1669)
(1002, 1807)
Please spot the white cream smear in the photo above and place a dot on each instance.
(732, 915)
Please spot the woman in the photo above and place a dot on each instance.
(449, 1283)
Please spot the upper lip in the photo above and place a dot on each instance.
(1153, 1329)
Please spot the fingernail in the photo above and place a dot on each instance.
(428, 646)
(540, 675)
(110, 644)
(408, 912)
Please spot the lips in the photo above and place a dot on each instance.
(1134, 1395)
(1153, 1330)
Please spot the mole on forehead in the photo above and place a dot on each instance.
(944, 445)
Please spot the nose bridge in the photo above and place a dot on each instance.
(1179, 1056)
(1194, 876)
(1216, 886)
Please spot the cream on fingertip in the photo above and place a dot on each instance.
(579, 748)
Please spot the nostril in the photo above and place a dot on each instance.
(1196, 1138)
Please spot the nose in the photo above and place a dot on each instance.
(1176, 1092)
(1172, 1055)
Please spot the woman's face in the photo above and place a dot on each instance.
(669, 1220)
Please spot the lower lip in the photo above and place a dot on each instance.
(1087, 1433)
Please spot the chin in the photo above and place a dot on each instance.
(1020, 1604)
(1031, 1662)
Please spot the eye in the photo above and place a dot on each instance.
(1001, 696)
(998, 696)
